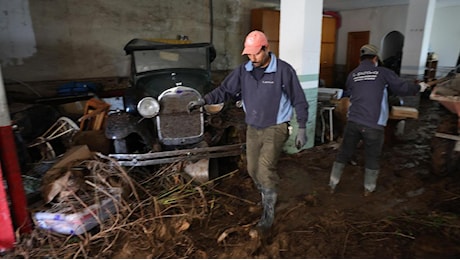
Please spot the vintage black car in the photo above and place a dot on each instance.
(155, 126)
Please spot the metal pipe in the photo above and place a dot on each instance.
(10, 166)
(7, 235)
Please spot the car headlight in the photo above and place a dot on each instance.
(148, 107)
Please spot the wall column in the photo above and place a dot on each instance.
(300, 45)
(417, 36)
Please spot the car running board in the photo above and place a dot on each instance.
(178, 155)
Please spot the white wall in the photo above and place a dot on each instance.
(18, 39)
(445, 36)
(72, 39)
(379, 21)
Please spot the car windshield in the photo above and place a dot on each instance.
(189, 58)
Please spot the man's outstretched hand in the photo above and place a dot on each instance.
(192, 105)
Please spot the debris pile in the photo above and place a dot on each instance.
(80, 191)
(107, 211)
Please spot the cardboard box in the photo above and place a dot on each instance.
(78, 152)
(51, 186)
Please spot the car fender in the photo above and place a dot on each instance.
(121, 124)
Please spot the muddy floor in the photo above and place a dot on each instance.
(412, 214)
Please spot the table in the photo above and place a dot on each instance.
(329, 109)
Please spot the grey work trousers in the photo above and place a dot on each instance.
(263, 149)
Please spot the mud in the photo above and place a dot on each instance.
(412, 214)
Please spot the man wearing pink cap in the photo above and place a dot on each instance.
(269, 89)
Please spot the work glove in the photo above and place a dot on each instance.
(423, 86)
(301, 138)
(192, 105)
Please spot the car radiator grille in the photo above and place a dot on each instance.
(176, 125)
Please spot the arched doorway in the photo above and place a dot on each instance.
(392, 51)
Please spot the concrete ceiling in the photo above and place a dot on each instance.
(340, 5)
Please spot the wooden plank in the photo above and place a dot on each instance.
(401, 112)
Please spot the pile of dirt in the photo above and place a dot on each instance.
(412, 213)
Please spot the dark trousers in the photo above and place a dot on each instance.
(373, 142)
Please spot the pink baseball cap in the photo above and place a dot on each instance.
(254, 42)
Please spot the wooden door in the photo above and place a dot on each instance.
(355, 41)
(326, 69)
(267, 21)
(328, 29)
(327, 54)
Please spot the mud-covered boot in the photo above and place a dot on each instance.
(370, 181)
(258, 186)
(269, 197)
(336, 173)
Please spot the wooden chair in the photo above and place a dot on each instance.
(95, 114)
